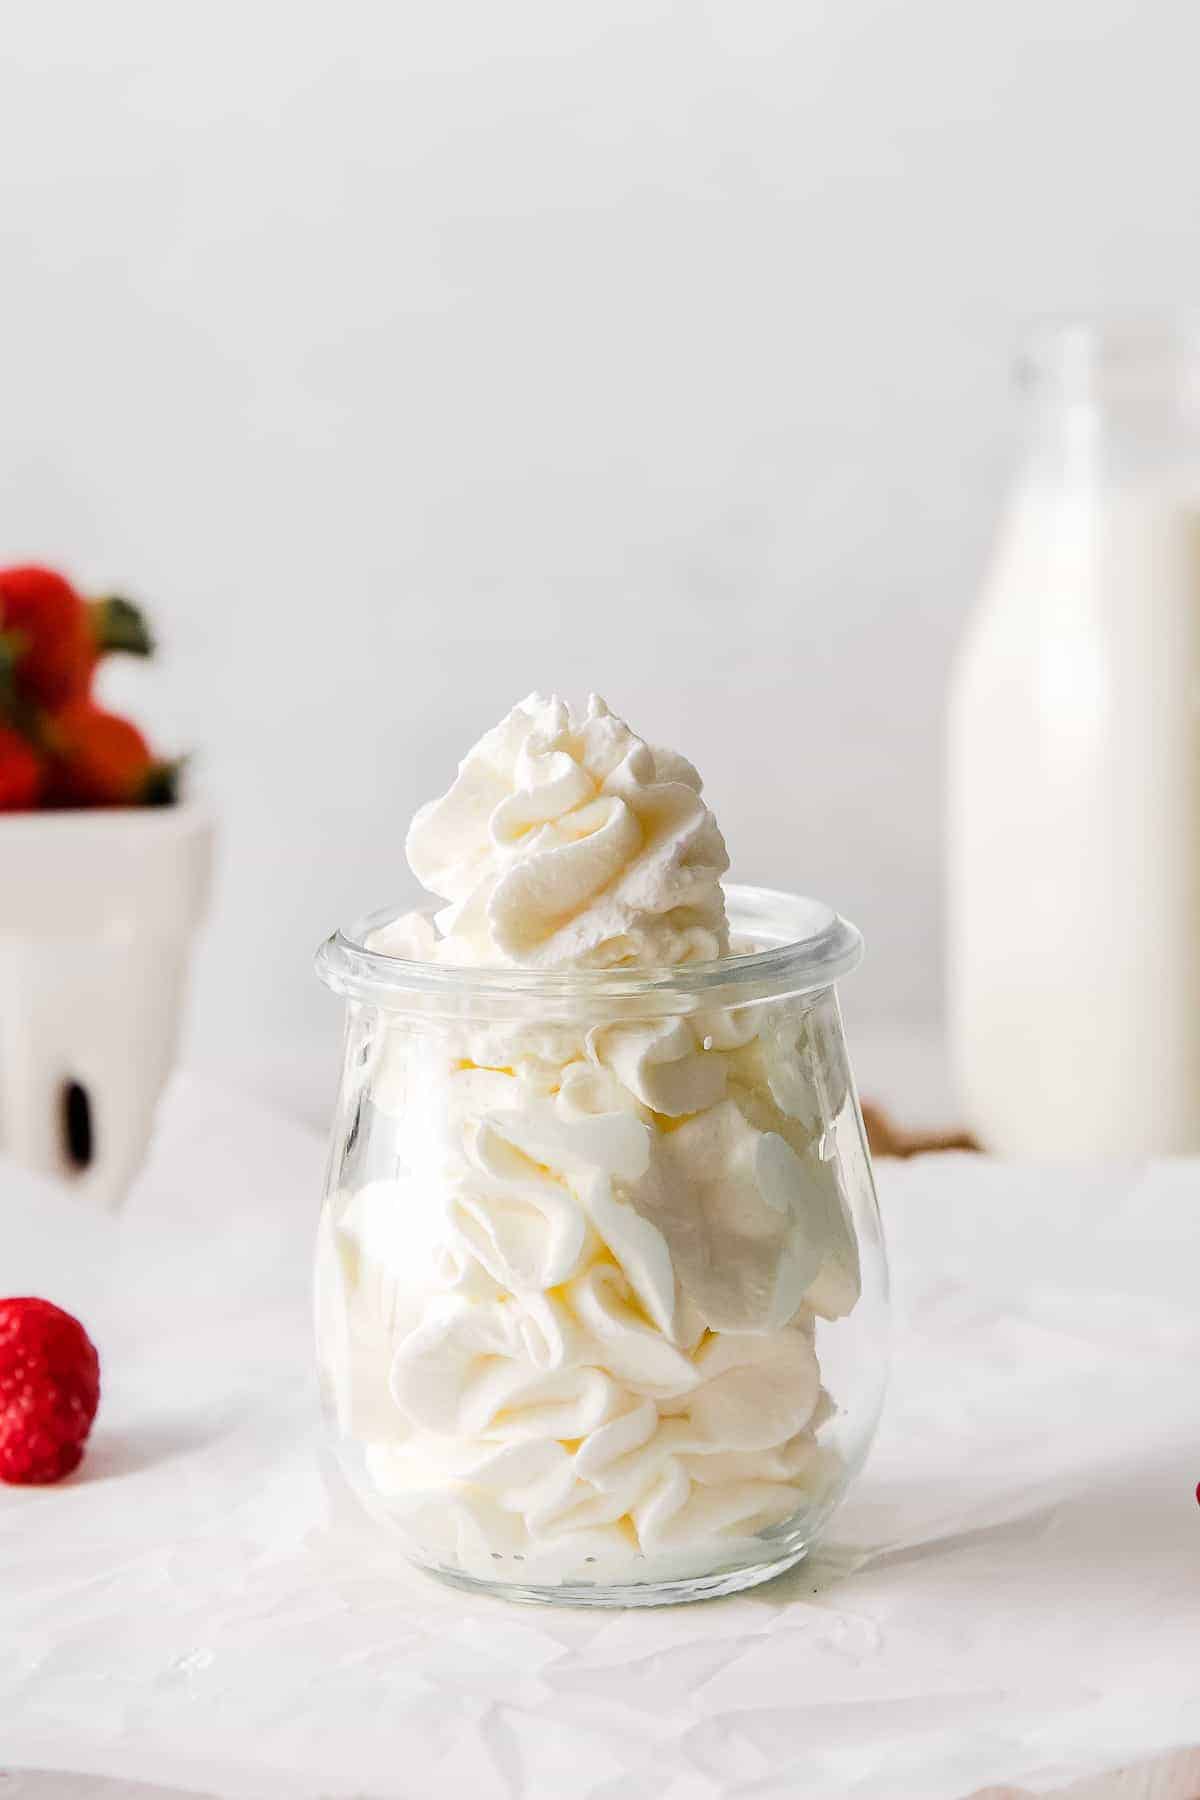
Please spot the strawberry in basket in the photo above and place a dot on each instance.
(58, 747)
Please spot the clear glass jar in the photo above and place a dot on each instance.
(601, 1290)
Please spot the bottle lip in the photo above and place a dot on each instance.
(801, 945)
(1081, 355)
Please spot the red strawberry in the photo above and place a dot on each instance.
(100, 759)
(22, 774)
(49, 1391)
(51, 637)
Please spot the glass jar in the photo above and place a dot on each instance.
(601, 1290)
(1073, 827)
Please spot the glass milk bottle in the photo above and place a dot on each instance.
(1074, 766)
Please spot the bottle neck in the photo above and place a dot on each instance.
(1112, 403)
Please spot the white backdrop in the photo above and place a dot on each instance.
(404, 357)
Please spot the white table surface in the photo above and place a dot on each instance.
(1011, 1594)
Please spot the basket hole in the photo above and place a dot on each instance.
(78, 1136)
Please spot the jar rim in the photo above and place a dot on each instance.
(802, 946)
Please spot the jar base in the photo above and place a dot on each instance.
(622, 1594)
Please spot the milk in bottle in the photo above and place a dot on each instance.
(1074, 768)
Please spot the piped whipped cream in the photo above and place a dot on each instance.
(574, 1329)
(568, 842)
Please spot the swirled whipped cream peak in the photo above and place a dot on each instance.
(567, 841)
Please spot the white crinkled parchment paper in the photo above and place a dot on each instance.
(1011, 1594)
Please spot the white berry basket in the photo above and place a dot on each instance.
(98, 910)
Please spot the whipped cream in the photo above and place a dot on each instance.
(569, 842)
(573, 1326)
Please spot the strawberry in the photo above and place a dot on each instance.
(100, 759)
(22, 773)
(49, 1391)
(51, 637)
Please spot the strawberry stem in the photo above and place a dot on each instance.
(13, 645)
(117, 624)
(9, 651)
(161, 784)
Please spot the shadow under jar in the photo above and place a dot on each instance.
(601, 1289)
